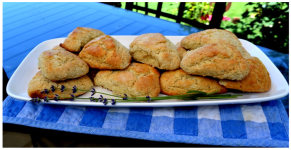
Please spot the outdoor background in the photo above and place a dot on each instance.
(262, 23)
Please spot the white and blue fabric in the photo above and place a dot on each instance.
(260, 124)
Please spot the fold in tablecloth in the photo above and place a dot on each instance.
(260, 124)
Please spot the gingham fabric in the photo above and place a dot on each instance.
(260, 124)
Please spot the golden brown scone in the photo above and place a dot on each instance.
(211, 36)
(79, 37)
(135, 81)
(222, 61)
(156, 50)
(105, 52)
(59, 65)
(179, 82)
(181, 50)
(258, 80)
(58, 47)
(39, 83)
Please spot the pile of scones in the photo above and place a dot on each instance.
(212, 61)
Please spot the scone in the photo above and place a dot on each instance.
(58, 47)
(79, 37)
(105, 52)
(136, 81)
(59, 65)
(39, 83)
(258, 80)
(222, 61)
(156, 50)
(181, 50)
(212, 36)
(178, 83)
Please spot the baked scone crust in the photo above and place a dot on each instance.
(38, 83)
(258, 80)
(179, 82)
(105, 52)
(156, 50)
(79, 37)
(59, 65)
(137, 80)
(211, 36)
(222, 61)
(58, 47)
(181, 50)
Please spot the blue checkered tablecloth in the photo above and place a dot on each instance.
(260, 124)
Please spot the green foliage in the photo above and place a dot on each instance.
(236, 9)
(266, 24)
(170, 7)
(199, 11)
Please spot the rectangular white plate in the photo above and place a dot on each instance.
(18, 83)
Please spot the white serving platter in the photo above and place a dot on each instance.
(18, 84)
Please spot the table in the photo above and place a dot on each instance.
(25, 25)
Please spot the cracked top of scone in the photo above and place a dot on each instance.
(79, 37)
(156, 50)
(105, 52)
(59, 65)
(258, 80)
(211, 36)
(222, 61)
(135, 81)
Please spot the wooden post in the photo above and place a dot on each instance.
(146, 8)
(129, 5)
(217, 14)
(180, 12)
(159, 9)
